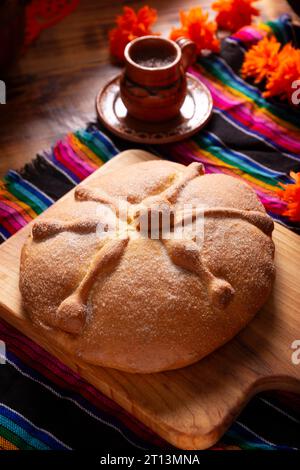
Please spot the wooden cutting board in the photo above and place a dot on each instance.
(191, 407)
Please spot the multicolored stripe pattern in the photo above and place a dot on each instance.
(44, 405)
(26, 194)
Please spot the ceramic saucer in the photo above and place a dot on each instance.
(194, 113)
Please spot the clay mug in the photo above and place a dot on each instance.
(153, 85)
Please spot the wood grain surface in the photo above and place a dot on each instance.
(190, 407)
(52, 88)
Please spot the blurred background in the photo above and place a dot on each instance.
(54, 58)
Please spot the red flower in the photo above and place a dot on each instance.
(196, 26)
(261, 59)
(288, 71)
(291, 195)
(234, 14)
(130, 25)
(278, 66)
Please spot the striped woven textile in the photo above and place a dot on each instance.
(43, 404)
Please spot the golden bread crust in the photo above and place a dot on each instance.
(143, 305)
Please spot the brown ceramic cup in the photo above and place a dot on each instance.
(153, 85)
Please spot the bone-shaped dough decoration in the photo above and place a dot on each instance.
(186, 254)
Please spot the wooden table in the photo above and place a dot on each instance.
(51, 90)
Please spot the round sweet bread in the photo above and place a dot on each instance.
(126, 299)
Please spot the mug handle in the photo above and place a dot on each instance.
(188, 50)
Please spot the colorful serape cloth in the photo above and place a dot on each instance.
(43, 404)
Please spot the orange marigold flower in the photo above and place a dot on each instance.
(291, 195)
(196, 26)
(130, 25)
(280, 80)
(261, 59)
(234, 14)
